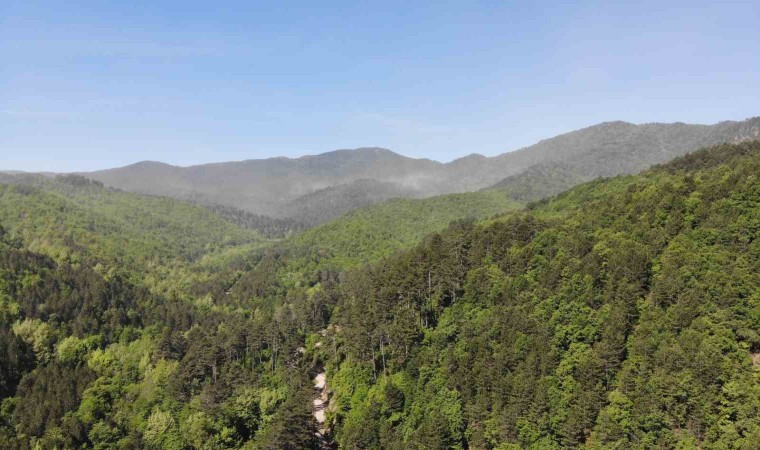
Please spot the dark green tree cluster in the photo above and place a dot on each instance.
(268, 226)
(92, 361)
(121, 331)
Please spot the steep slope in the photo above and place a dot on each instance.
(268, 226)
(74, 219)
(611, 149)
(327, 204)
(623, 313)
(370, 233)
(279, 187)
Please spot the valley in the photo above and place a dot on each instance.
(388, 225)
(621, 311)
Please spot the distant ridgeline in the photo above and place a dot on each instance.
(77, 180)
(267, 226)
(318, 188)
(622, 313)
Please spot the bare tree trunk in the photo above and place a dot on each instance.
(374, 370)
(430, 285)
(382, 352)
(274, 356)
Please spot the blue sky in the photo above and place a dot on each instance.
(87, 85)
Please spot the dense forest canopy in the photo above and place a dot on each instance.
(623, 313)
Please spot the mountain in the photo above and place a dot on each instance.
(313, 189)
(622, 313)
(269, 186)
(609, 149)
(79, 221)
(368, 234)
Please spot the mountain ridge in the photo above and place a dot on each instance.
(276, 186)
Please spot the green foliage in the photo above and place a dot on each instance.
(267, 226)
(291, 428)
(376, 231)
(624, 313)
(39, 335)
(80, 221)
(621, 314)
(72, 350)
(161, 432)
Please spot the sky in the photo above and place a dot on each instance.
(86, 85)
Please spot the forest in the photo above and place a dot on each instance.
(623, 313)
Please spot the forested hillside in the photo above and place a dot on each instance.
(624, 313)
(326, 204)
(370, 233)
(268, 226)
(154, 240)
(141, 284)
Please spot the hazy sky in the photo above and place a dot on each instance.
(87, 85)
